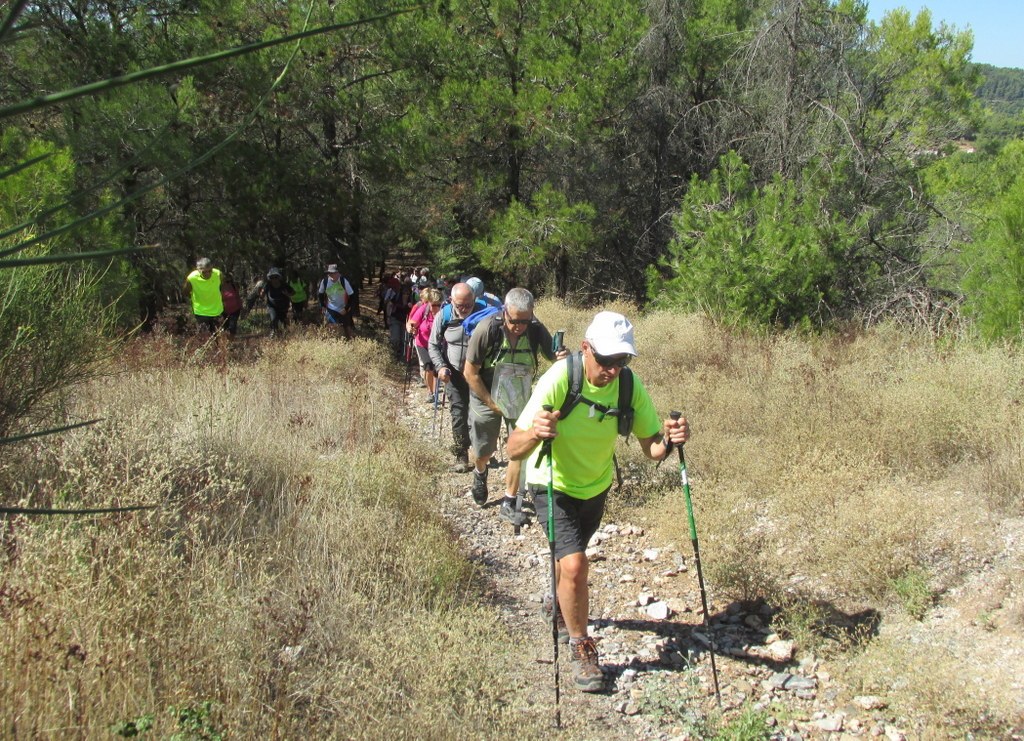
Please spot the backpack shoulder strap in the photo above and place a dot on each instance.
(533, 337)
(574, 368)
(626, 401)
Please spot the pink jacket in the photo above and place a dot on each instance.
(423, 318)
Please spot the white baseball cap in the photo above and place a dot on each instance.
(611, 334)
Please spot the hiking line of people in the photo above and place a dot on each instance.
(486, 357)
(481, 353)
(217, 303)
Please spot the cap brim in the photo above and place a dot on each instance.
(612, 348)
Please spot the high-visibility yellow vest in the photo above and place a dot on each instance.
(206, 299)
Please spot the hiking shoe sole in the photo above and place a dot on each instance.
(589, 684)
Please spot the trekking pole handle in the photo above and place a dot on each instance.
(668, 443)
(558, 341)
(545, 447)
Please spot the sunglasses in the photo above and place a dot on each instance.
(611, 361)
(517, 322)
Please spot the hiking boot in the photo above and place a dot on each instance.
(545, 613)
(586, 671)
(461, 465)
(479, 488)
(509, 514)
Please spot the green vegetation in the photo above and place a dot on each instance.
(506, 139)
(769, 165)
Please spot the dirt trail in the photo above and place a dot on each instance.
(646, 613)
(658, 672)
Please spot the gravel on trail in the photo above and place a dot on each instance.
(646, 614)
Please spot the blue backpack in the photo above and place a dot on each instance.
(471, 321)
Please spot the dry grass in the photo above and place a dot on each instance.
(295, 579)
(855, 471)
(293, 582)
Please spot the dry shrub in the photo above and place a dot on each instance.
(931, 685)
(292, 582)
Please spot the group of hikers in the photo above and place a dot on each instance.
(482, 352)
(485, 353)
(217, 302)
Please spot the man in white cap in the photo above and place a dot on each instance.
(335, 294)
(582, 446)
(488, 299)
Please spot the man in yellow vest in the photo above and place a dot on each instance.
(203, 287)
(299, 296)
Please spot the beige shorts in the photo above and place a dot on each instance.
(484, 427)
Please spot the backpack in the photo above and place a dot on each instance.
(623, 412)
(471, 321)
(495, 339)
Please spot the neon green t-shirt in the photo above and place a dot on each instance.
(299, 296)
(206, 299)
(582, 452)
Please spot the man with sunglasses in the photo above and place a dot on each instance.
(582, 446)
(501, 363)
(447, 349)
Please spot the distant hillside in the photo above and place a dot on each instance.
(1002, 89)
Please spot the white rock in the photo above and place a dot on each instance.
(645, 599)
(611, 529)
(830, 723)
(781, 650)
(290, 654)
(651, 554)
(626, 578)
(869, 702)
(658, 610)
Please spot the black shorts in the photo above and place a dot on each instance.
(210, 323)
(576, 520)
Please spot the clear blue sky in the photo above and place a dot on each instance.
(998, 25)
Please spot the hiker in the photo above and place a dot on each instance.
(387, 291)
(582, 446)
(400, 303)
(421, 320)
(231, 295)
(501, 363)
(448, 352)
(278, 296)
(489, 299)
(202, 287)
(335, 296)
(299, 296)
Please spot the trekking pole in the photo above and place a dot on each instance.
(444, 403)
(437, 392)
(696, 560)
(546, 451)
(408, 364)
